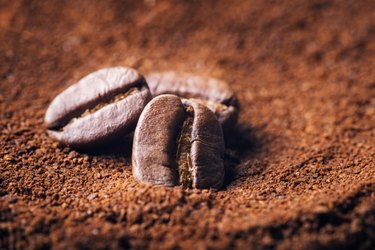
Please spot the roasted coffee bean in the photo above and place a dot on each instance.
(101, 106)
(178, 142)
(213, 93)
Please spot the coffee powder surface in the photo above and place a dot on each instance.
(300, 169)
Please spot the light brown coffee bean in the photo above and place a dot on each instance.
(213, 93)
(100, 107)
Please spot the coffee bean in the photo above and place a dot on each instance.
(101, 106)
(178, 142)
(213, 93)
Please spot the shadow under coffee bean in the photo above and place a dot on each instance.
(213, 93)
(102, 105)
(178, 142)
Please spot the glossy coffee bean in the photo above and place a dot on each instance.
(213, 93)
(101, 106)
(178, 142)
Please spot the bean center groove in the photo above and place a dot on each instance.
(183, 158)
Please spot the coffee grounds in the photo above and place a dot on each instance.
(301, 167)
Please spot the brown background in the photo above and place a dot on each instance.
(300, 163)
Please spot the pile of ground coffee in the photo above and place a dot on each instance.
(300, 166)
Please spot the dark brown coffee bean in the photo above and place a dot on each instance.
(213, 93)
(178, 142)
(102, 105)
